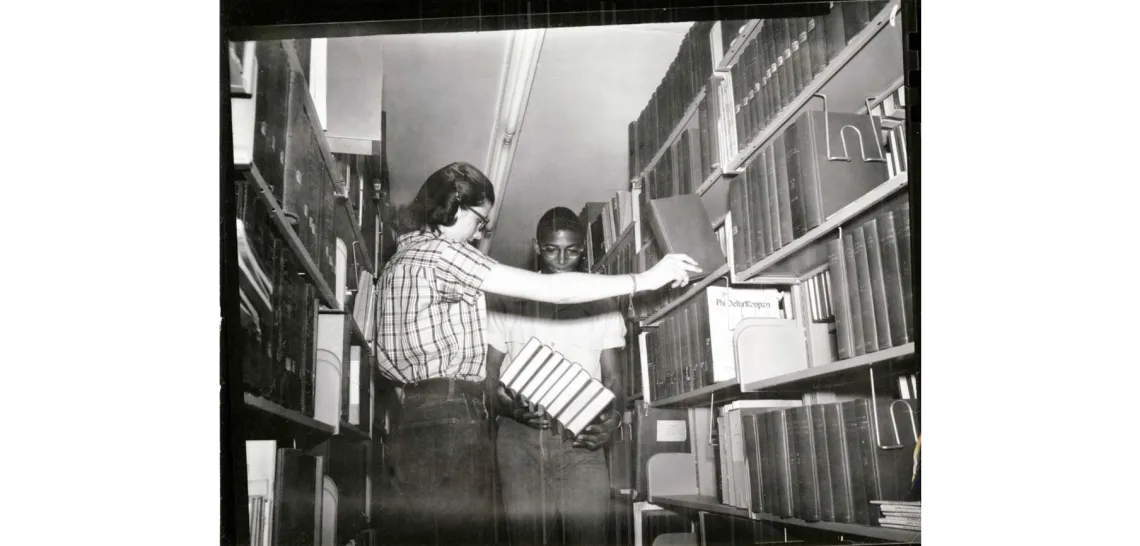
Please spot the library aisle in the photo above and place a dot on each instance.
(775, 398)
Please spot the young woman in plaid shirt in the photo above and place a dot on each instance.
(432, 341)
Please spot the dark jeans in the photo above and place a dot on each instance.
(439, 488)
(553, 493)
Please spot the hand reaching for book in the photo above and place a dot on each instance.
(673, 268)
(598, 434)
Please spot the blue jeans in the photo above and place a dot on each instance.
(439, 487)
(553, 493)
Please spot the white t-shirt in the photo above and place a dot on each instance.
(579, 331)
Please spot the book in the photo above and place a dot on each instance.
(681, 225)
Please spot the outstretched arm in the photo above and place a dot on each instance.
(574, 287)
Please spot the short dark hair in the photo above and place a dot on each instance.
(453, 186)
(558, 219)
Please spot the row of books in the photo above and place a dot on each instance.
(683, 167)
(281, 327)
(870, 273)
(362, 182)
(288, 155)
(786, 54)
(693, 346)
(820, 462)
(278, 340)
(688, 73)
(818, 291)
(800, 178)
(605, 222)
(905, 515)
(281, 337)
(890, 111)
(596, 244)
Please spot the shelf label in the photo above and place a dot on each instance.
(672, 431)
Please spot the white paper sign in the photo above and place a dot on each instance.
(672, 431)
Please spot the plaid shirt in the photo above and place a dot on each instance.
(432, 310)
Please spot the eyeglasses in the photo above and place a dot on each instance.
(572, 252)
(483, 220)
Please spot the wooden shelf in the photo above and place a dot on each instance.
(751, 30)
(700, 397)
(344, 215)
(353, 431)
(712, 179)
(817, 85)
(692, 109)
(809, 252)
(731, 389)
(313, 274)
(698, 503)
(295, 417)
(822, 372)
(702, 503)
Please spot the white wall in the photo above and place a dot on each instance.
(591, 82)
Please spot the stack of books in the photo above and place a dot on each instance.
(571, 396)
(894, 514)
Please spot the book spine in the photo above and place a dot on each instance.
(892, 278)
(786, 212)
(858, 442)
(797, 191)
(838, 285)
(854, 304)
(816, 45)
(835, 36)
(737, 205)
(822, 458)
(878, 283)
(866, 300)
(763, 231)
(902, 228)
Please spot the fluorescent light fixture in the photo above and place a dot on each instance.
(523, 50)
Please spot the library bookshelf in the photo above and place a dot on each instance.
(704, 133)
(315, 221)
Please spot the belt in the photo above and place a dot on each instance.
(445, 386)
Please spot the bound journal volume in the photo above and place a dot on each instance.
(571, 396)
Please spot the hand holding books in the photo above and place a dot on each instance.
(522, 410)
(599, 433)
(543, 379)
(533, 415)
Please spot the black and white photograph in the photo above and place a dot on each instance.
(628, 284)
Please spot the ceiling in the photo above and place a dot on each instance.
(440, 93)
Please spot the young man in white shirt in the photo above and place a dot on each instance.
(556, 489)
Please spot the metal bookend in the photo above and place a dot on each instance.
(843, 138)
(894, 423)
